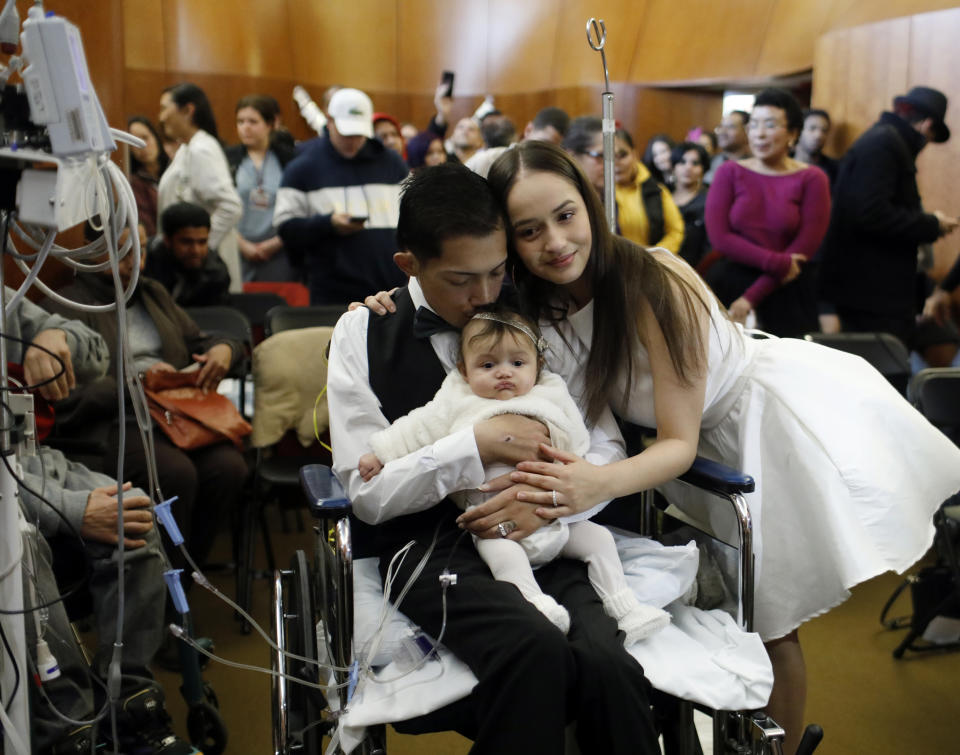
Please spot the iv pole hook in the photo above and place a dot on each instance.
(597, 39)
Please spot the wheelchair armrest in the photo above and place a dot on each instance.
(716, 477)
(324, 493)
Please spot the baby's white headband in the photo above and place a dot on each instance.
(539, 343)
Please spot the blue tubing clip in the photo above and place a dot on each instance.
(172, 578)
(165, 515)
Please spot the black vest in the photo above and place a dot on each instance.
(404, 373)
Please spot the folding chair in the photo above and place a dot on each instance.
(884, 351)
(255, 306)
(286, 408)
(291, 318)
(231, 323)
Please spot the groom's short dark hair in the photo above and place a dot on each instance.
(444, 202)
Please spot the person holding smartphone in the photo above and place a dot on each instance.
(338, 202)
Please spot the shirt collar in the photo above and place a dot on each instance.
(416, 295)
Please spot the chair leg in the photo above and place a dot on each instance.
(245, 557)
(265, 534)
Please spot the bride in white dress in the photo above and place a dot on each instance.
(848, 474)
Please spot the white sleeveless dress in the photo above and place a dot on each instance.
(848, 474)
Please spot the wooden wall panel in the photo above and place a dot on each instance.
(877, 70)
(830, 65)
(786, 47)
(346, 42)
(859, 12)
(674, 112)
(144, 35)
(704, 40)
(520, 45)
(438, 35)
(241, 37)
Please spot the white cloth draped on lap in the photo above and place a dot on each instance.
(702, 656)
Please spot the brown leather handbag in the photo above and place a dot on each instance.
(190, 417)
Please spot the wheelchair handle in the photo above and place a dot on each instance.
(324, 492)
(717, 477)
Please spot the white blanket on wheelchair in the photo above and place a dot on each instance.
(702, 656)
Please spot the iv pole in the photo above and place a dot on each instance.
(597, 38)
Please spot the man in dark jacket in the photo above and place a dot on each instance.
(182, 260)
(338, 203)
(870, 252)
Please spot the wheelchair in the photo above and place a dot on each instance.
(313, 610)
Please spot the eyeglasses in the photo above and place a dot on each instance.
(769, 125)
(597, 154)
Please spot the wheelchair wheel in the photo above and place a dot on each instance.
(306, 705)
(206, 729)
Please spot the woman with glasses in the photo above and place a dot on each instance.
(646, 213)
(767, 215)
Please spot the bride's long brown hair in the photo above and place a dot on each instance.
(624, 277)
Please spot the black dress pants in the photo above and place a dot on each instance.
(533, 680)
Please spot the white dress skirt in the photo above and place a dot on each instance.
(848, 474)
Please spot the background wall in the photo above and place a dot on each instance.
(529, 53)
(856, 74)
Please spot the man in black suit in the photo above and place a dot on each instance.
(870, 251)
(533, 680)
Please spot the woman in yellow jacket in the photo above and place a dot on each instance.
(646, 213)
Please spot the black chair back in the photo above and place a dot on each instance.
(256, 305)
(884, 351)
(292, 318)
(230, 323)
(225, 321)
(935, 391)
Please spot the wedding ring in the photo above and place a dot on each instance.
(555, 504)
(502, 529)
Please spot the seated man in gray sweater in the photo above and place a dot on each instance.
(66, 504)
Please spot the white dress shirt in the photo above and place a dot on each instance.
(422, 479)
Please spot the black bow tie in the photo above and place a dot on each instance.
(427, 322)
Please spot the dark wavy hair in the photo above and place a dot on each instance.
(163, 160)
(190, 94)
(441, 203)
(683, 147)
(267, 106)
(626, 281)
(647, 158)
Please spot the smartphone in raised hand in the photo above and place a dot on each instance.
(447, 81)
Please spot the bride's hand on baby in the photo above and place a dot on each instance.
(569, 487)
(503, 508)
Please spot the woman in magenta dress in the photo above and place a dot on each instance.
(766, 215)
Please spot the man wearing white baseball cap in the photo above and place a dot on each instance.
(338, 204)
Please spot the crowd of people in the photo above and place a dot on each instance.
(745, 224)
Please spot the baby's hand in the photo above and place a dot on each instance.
(369, 467)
